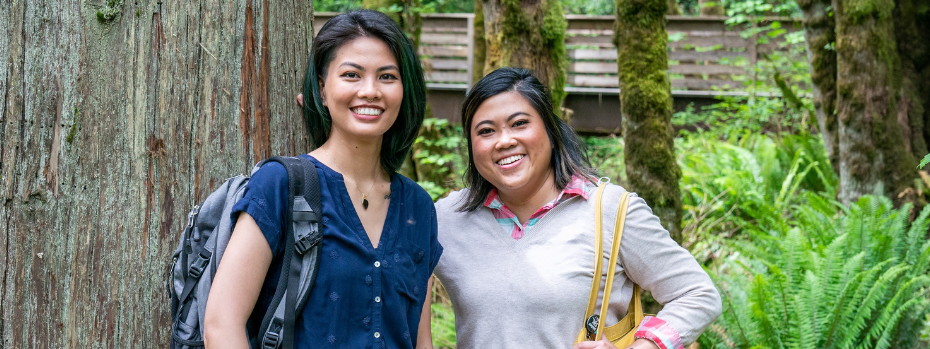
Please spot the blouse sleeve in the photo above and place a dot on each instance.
(657, 263)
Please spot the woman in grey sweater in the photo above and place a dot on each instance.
(519, 241)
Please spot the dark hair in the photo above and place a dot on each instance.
(569, 157)
(347, 27)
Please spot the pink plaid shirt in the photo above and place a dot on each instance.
(652, 328)
(578, 186)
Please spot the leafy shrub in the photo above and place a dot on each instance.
(442, 326)
(838, 278)
(606, 156)
(729, 187)
(440, 156)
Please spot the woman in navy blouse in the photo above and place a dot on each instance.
(365, 101)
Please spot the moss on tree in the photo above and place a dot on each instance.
(646, 105)
(820, 35)
(873, 160)
(527, 34)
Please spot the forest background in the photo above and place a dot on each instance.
(801, 197)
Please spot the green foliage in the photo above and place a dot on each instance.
(440, 156)
(838, 277)
(924, 162)
(748, 183)
(794, 267)
(442, 326)
(426, 6)
(606, 156)
(110, 12)
(336, 5)
(588, 7)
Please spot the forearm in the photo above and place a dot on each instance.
(223, 336)
(424, 332)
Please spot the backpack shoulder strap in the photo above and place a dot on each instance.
(301, 255)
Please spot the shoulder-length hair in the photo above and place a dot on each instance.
(342, 29)
(569, 157)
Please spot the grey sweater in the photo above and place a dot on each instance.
(532, 292)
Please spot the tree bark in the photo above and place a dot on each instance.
(646, 106)
(116, 118)
(820, 36)
(872, 157)
(409, 18)
(673, 8)
(912, 29)
(527, 34)
(479, 43)
(711, 8)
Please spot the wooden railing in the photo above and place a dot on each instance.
(702, 51)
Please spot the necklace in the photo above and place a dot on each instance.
(364, 194)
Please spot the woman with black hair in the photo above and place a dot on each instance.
(519, 241)
(364, 101)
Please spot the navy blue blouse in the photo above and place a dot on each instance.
(364, 297)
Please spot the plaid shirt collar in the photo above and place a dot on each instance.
(578, 186)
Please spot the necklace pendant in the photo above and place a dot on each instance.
(364, 202)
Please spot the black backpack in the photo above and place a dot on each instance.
(204, 241)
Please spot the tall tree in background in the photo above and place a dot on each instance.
(819, 33)
(646, 106)
(526, 34)
(879, 92)
(711, 8)
(115, 117)
(673, 8)
(405, 12)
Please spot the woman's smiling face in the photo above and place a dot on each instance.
(510, 147)
(362, 89)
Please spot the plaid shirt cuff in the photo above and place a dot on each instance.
(659, 332)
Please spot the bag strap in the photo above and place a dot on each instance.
(634, 306)
(301, 254)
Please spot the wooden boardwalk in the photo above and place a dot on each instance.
(707, 58)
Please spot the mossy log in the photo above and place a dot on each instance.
(646, 107)
(872, 157)
(110, 131)
(527, 34)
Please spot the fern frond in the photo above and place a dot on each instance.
(876, 293)
(884, 342)
(917, 233)
(885, 316)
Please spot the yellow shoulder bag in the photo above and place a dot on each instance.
(622, 333)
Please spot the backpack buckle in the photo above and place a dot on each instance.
(196, 269)
(305, 242)
(272, 336)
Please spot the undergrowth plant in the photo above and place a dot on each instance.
(747, 183)
(440, 155)
(853, 277)
(795, 268)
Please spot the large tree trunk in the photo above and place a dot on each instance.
(479, 44)
(409, 18)
(819, 32)
(116, 117)
(912, 29)
(646, 105)
(872, 157)
(527, 34)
